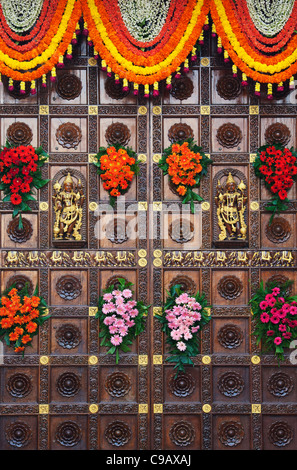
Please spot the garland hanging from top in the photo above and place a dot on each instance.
(147, 42)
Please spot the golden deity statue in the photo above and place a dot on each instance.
(68, 203)
(231, 205)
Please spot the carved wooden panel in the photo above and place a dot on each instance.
(67, 393)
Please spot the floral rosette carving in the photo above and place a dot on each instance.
(183, 317)
(20, 175)
(121, 318)
(117, 165)
(277, 167)
(21, 316)
(275, 315)
(185, 163)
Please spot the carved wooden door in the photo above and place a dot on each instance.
(66, 393)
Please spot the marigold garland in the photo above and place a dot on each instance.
(277, 167)
(20, 175)
(117, 166)
(20, 317)
(147, 63)
(185, 163)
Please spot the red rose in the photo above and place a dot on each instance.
(15, 199)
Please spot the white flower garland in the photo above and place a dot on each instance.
(144, 18)
(270, 16)
(21, 15)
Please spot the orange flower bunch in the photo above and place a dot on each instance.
(20, 317)
(185, 164)
(117, 166)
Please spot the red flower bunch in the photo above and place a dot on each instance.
(20, 317)
(277, 167)
(117, 166)
(19, 174)
(275, 317)
(185, 164)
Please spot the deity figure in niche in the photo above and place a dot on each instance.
(68, 200)
(231, 203)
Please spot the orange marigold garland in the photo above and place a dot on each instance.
(20, 317)
(185, 163)
(117, 166)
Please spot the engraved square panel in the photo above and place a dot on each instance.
(280, 276)
(226, 89)
(278, 129)
(118, 384)
(69, 336)
(118, 231)
(68, 432)
(21, 130)
(15, 238)
(69, 288)
(187, 279)
(279, 384)
(279, 233)
(180, 128)
(118, 432)
(231, 384)
(229, 287)
(230, 335)
(182, 432)
(18, 432)
(231, 432)
(184, 387)
(68, 134)
(229, 135)
(181, 230)
(185, 90)
(279, 432)
(18, 385)
(68, 384)
(19, 277)
(112, 94)
(71, 87)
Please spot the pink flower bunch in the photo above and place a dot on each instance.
(183, 320)
(276, 311)
(120, 311)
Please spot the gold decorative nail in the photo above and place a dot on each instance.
(92, 311)
(204, 61)
(142, 253)
(256, 408)
(255, 359)
(44, 360)
(142, 408)
(142, 206)
(43, 409)
(43, 109)
(206, 408)
(92, 157)
(142, 262)
(254, 109)
(43, 206)
(142, 158)
(92, 61)
(157, 110)
(157, 359)
(157, 262)
(143, 359)
(157, 253)
(157, 311)
(93, 408)
(158, 408)
(157, 206)
(252, 157)
(157, 157)
(204, 110)
(206, 359)
(254, 206)
(142, 110)
(205, 206)
(93, 206)
(93, 110)
(93, 360)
